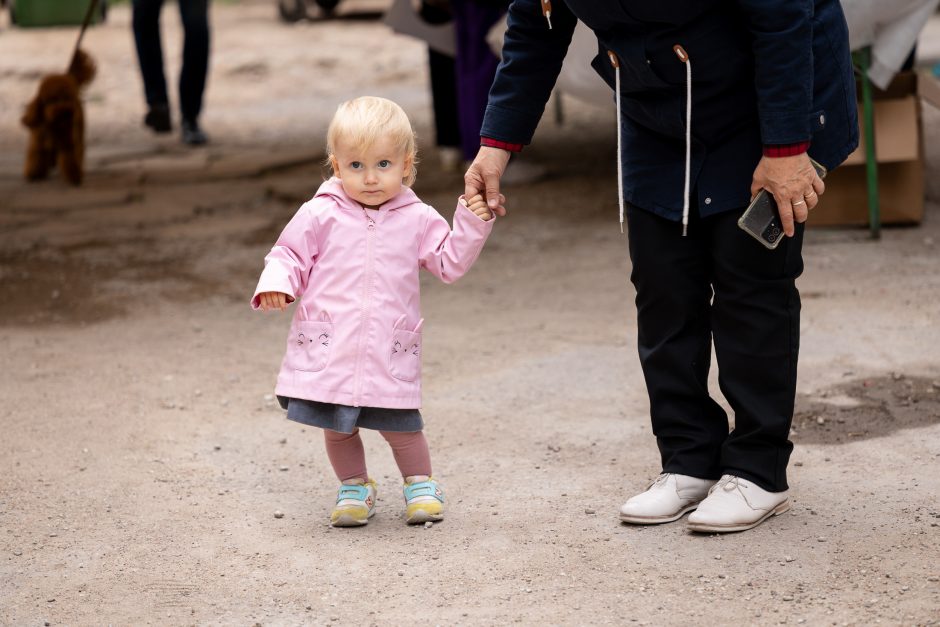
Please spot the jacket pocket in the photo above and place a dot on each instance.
(308, 346)
(404, 357)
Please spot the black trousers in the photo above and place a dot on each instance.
(195, 16)
(717, 285)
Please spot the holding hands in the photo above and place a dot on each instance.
(478, 206)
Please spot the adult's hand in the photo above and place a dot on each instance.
(794, 184)
(483, 176)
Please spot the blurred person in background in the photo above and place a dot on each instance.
(192, 82)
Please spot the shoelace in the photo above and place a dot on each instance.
(729, 483)
(660, 479)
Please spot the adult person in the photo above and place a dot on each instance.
(717, 99)
(146, 22)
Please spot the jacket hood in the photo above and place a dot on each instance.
(334, 188)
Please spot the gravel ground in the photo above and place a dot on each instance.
(144, 462)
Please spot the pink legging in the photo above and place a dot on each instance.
(349, 459)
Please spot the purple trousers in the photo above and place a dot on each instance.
(475, 67)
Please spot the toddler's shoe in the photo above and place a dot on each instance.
(424, 500)
(355, 504)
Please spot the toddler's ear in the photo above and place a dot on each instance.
(334, 165)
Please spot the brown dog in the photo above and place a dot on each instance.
(56, 123)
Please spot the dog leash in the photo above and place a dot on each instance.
(91, 11)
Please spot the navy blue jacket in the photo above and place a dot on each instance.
(764, 72)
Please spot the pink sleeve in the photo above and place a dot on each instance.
(449, 254)
(288, 264)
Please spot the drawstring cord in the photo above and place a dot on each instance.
(684, 57)
(547, 12)
(614, 61)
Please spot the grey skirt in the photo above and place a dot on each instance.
(345, 419)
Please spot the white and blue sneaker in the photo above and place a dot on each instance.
(355, 504)
(424, 500)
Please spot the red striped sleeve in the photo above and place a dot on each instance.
(786, 150)
(495, 143)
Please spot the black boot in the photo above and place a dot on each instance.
(192, 134)
(158, 118)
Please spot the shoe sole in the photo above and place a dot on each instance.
(710, 528)
(656, 520)
(348, 520)
(422, 516)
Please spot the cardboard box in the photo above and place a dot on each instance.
(900, 155)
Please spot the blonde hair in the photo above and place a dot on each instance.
(361, 121)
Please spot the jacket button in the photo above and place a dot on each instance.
(708, 201)
(822, 119)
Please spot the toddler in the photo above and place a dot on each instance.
(349, 259)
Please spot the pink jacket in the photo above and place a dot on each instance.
(355, 338)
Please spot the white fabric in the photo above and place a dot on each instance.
(402, 18)
(577, 78)
(619, 147)
(890, 28)
(688, 146)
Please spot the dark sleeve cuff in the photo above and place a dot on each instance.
(495, 143)
(785, 150)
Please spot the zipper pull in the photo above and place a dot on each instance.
(547, 12)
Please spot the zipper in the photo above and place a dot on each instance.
(365, 307)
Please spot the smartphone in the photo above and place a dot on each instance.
(761, 219)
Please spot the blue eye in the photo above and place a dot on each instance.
(355, 165)
(384, 163)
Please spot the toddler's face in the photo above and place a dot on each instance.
(372, 176)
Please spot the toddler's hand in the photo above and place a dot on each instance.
(272, 300)
(478, 206)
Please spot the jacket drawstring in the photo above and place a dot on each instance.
(547, 12)
(614, 61)
(684, 57)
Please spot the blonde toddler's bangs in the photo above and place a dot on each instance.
(362, 121)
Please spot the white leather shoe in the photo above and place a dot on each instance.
(665, 500)
(736, 504)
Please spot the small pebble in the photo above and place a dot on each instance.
(717, 557)
(789, 559)
(401, 573)
(283, 468)
(589, 510)
(820, 539)
(17, 552)
(798, 463)
(278, 514)
(787, 598)
(428, 524)
(933, 578)
(820, 420)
